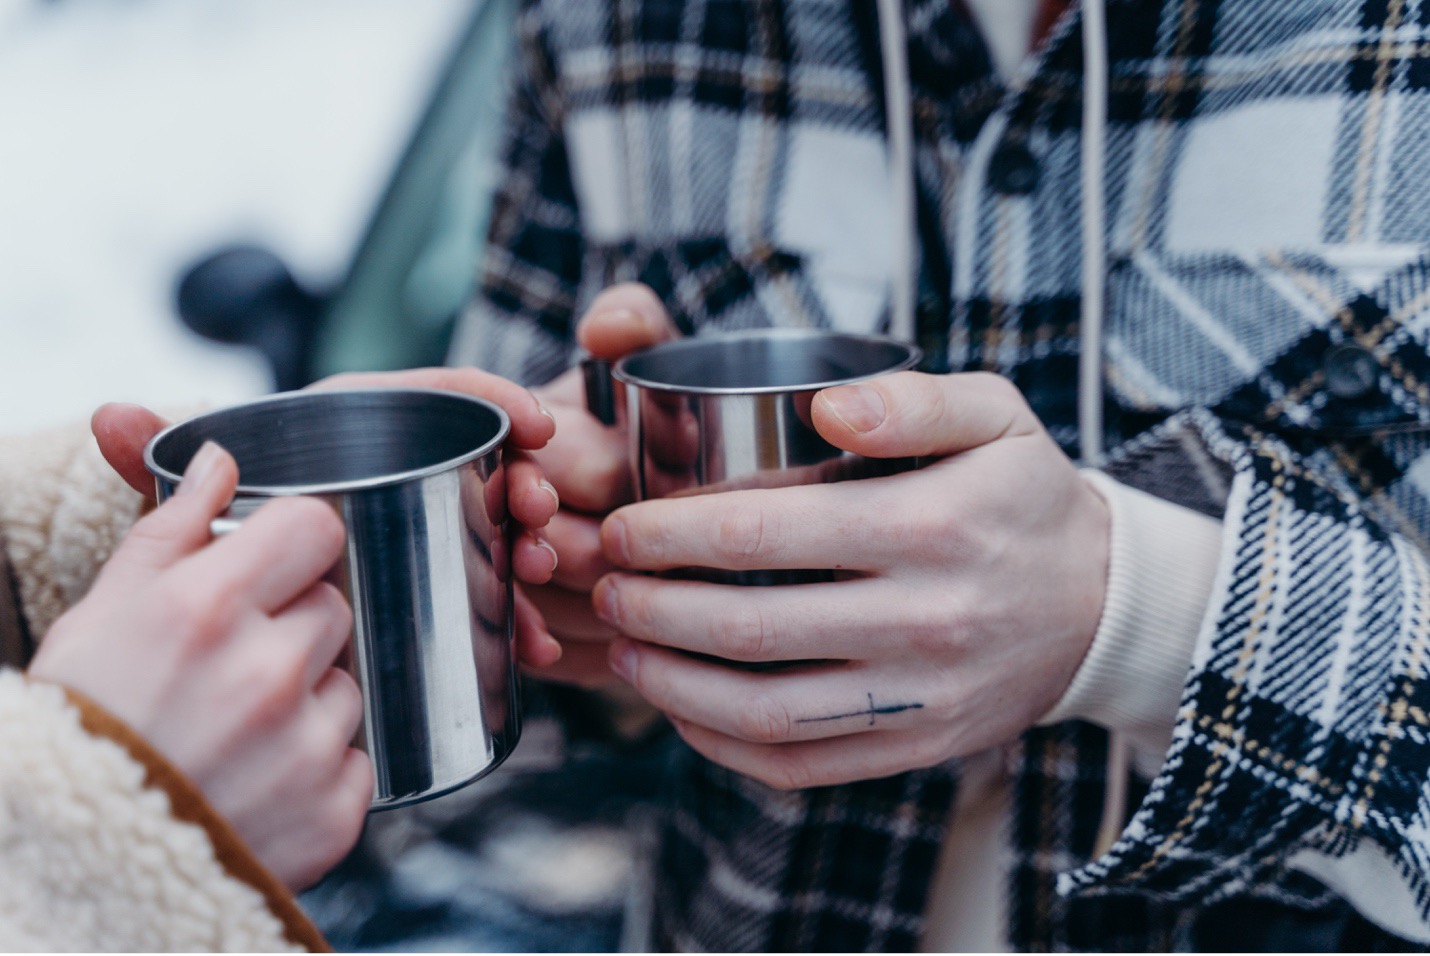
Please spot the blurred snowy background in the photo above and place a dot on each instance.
(140, 134)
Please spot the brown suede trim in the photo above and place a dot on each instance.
(16, 647)
(189, 804)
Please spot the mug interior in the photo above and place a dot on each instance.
(764, 360)
(336, 438)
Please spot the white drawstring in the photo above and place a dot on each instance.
(898, 110)
(1094, 230)
(1089, 389)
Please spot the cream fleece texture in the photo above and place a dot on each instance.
(91, 859)
(62, 511)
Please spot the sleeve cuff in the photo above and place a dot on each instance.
(187, 803)
(115, 849)
(1162, 564)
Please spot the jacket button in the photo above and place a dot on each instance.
(1013, 170)
(1351, 371)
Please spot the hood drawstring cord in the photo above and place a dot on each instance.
(898, 112)
(898, 108)
(1089, 386)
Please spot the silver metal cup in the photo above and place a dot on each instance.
(417, 478)
(723, 412)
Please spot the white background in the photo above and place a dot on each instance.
(136, 135)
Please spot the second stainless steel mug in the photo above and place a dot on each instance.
(721, 412)
(417, 478)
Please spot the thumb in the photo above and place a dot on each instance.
(623, 319)
(180, 526)
(912, 414)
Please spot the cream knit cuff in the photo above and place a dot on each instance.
(1163, 559)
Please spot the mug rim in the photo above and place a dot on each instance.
(337, 487)
(913, 355)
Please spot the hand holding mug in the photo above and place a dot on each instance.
(220, 655)
(418, 478)
(123, 430)
(968, 593)
(588, 464)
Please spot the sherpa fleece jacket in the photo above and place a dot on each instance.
(103, 845)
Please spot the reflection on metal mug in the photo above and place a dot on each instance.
(722, 412)
(417, 477)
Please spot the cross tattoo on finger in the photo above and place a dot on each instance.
(872, 712)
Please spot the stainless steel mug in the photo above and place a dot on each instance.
(721, 412)
(417, 477)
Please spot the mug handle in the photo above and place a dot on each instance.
(223, 525)
(600, 389)
(238, 511)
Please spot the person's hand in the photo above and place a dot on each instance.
(220, 654)
(587, 462)
(123, 430)
(968, 591)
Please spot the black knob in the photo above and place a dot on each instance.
(245, 295)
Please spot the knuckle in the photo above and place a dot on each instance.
(276, 687)
(158, 527)
(595, 483)
(349, 707)
(322, 523)
(962, 622)
(996, 385)
(325, 745)
(334, 605)
(930, 632)
(747, 634)
(606, 477)
(747, 535)
(765, 720)
(317, 747)
(202, 617)
(317, 522)
(635, 608)
(1003, 394)
(909, 528)
(356, 797)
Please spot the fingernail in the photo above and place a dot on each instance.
(859, 407)
(550, 489)
(547, 412)
(624, 660)
(543, 543)
(608, 606)
(201, 468)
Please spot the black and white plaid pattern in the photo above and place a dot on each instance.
(1268, 308)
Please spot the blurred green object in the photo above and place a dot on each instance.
(417, 260)
(421, 253)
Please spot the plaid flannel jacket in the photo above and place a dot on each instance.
(1268, 308)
